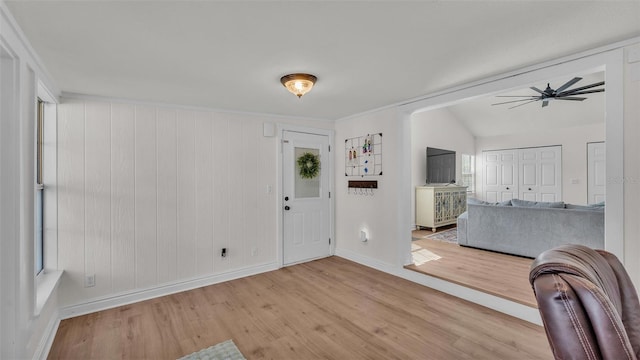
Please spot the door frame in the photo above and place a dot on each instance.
(281, 128)
(609, 59)
(589, 167)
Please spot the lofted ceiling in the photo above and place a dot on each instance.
(230, 55)
(483, 119)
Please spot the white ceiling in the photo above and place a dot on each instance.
(231, 54)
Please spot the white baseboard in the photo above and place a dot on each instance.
(154, 292)
(366, 261)
(492, 302)
(42, 350)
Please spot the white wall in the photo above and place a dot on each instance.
(437, 128)
(574, 155)
(376, 214)
(149, 195)
(632, 162)
(22, 331)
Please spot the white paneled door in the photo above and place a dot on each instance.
(533, 174)
(500, 175)
(540, 173)
(305, 200)
(596, 172)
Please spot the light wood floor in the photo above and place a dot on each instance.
(325, 309)
(498, 274)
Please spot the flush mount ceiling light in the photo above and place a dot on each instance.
(298, 84)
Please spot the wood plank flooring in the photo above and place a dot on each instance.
(498, 274)
(325, 309)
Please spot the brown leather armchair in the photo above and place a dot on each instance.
(588, 304)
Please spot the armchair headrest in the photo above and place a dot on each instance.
(581, 261)
(588, 303)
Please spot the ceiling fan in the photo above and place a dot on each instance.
(560, 93)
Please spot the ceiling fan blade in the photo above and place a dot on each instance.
(537, 90)
(571, 98)
(523, 104)
(569, 92)
(567, 84)
(580, 93)
(512, 101)
(528, 96)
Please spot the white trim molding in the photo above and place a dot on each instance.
(49, 334)
(127, 298)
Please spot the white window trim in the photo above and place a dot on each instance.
(472, 187)
(49, 278)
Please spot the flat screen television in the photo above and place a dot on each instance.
(441, 166)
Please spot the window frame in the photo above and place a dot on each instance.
(47, 280)
(471, 186)
(39, 229)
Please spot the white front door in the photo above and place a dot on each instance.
(596, 172)
(305, 200)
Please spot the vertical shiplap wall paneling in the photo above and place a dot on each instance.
(250, 160)
(267, 202)
(122, 197)
(146, 177)
(186, 194)
(222, 175)
(167, 195)
(97, 195)
(204, 193)
(236, 186)
(150, 195)
(71, 199)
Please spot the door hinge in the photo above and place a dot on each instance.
(329, 241)
(329, 194)
(329, 148)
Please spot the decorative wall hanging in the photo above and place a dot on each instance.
(309, 165)
(363, 155)
(362, 187)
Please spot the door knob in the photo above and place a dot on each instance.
(287, 207)
(507, 188)
(286, 198)
(529, 189)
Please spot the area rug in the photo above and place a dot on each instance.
(449, 235)
(224, 351)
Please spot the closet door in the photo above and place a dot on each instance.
(596, 172)
(500, 175)
(540, 173)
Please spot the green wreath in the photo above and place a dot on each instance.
(309, 165)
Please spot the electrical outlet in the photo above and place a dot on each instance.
(90, 280)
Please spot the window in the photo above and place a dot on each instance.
(468, 172)
(39, 206)
(45, 239)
